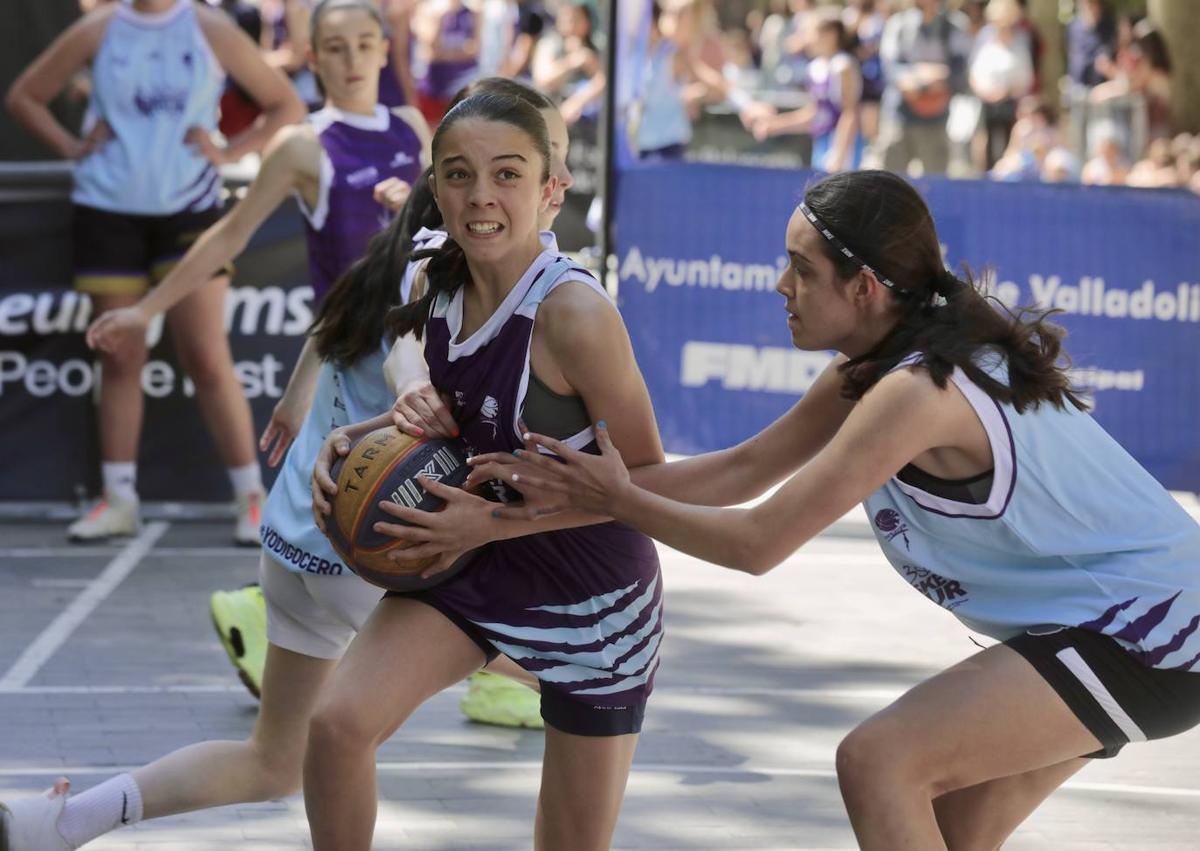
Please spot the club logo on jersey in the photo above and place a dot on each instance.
(490, 411)
(401, 159)
(149, 102)
(889, 521)
(947, 593)
(363, 177)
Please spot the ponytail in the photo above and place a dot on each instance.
(445, 271)
(352, 319)
(945, 320)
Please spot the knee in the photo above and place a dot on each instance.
(339, 727)
(873, 757)
(125, 362)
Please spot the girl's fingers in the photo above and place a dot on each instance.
(403, 532)
(438, 489)
(417, 552)
(403, 512)
(268, 434)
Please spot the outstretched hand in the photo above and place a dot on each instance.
(591, 483)
(117, 329)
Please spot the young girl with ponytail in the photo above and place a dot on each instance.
(990, 490)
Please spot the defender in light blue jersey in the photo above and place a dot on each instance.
(991, 491)
(146, 184)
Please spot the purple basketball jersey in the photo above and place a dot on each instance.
(581, 608)
(359, 152)
(443, 79)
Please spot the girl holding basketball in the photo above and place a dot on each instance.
(314, 608)
(578, 606)
(990, 489)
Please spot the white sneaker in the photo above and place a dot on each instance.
(31, 824)
(249, 518)
(107, 518)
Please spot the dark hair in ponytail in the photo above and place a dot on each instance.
(943, 319)
(447, 268)
(352, 319)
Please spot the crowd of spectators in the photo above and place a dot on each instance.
(922, 86)
(952, 87)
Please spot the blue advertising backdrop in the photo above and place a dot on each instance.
(699, 248)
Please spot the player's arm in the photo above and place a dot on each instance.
(292, 159)
(414, 119)
(904, 415)
(745, 471)
(267, 86)
(29, 96)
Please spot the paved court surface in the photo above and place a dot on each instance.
(107, 660)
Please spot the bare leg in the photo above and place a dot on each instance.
(981, 817)
(988, 717)
(406, 653)
(121, 402)
(263, 767)
(583, 784)
(198, 331)
(508, 668)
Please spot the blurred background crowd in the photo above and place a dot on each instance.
(969, 88)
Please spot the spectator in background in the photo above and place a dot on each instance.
(672, 84)
(238, 109)
(864, 22)
(1091, 43)
(831, 116)
(1107, 166)
(1000, 74)
(1155, 170)
(286, 43)
(1034, 136)
(1181, 149)
(770, 38)
(924, 52)
(567, 64)
(531, 23)
(447, 51)
(798, 41)
(1138, 98)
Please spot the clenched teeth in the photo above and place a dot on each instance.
(483, 227)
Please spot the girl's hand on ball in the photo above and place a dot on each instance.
(463, 524)
(323, 486)
(592, 483)
(421, 412)
(515, 470)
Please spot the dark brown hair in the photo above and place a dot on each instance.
(447, 269)
(944, 320)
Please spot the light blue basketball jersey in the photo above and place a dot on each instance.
(153, 78)
(1074, 532)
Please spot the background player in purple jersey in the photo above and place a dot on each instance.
(991, 491)
(577, 605)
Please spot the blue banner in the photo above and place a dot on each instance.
(700, 248)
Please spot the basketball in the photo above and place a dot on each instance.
(383, 465)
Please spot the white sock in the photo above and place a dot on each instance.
(120, 479)
(114, 803)
(245, 480)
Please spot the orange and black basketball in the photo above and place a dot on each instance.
(383, 466)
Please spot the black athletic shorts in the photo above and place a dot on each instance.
(1119, 699)
(124, 254)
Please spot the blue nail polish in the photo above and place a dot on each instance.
(602, 424)
(517, 452)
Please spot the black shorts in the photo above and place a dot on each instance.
(1115, 696)
(125, 254)
(560, 711)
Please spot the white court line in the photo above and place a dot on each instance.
(100, 552)
(864, 695)
(476, 766)
(60, 629)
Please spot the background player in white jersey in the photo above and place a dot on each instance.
(991, 491)
(145, 184)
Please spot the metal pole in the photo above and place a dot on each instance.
(608, 134)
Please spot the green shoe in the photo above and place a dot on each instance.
(493, 699)
(240, 619)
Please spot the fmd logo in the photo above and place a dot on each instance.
(740, 367)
